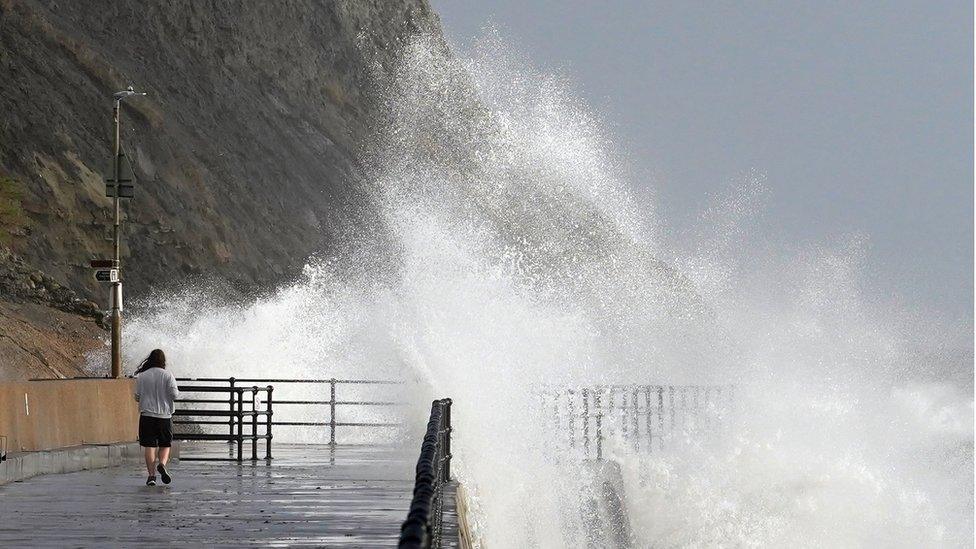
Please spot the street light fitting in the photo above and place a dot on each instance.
(128, 92)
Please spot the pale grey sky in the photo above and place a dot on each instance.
(859, 113)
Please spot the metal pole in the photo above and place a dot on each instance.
(267, 430)
(660, 417)
(254, 423)
(117, 285)
(230, 420)
(636, 416)
(623, 412)
(332, 412)
(650, 428)
(599, 425)
(447, 439)
(240, 425)
(586, 422)
(233, 416)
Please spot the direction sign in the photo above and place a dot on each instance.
(104, 264)
(107, 275)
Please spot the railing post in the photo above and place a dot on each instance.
(636, 402)
(254, 423)
(267, 429)
(230, 420)
(240, 425)
(233, 415)
(447, 439)
(586, 421)
(332, 412)
(623, 413)
(599, 425)
(660, 417)
(649, 419)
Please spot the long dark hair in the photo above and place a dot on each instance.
(156, 359)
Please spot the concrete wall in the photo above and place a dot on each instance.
(50, 414)
(24, 465)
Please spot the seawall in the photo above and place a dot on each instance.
(53, 414)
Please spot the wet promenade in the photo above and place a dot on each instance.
(356, 496)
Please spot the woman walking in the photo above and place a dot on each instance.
(156, 392)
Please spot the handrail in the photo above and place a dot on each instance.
(422, 529)
(641, 414)
(296, 380)
(333, 402)
(235, 414)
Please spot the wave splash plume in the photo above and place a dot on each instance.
(507, 254)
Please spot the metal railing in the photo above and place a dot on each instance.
(423, 527)
(242, 411)
(334, 405)
(639, 414)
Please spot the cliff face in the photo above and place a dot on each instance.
(244, 149)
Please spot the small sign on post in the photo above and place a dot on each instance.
(107, 275)
(103, 264)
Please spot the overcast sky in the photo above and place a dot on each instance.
(859, 113)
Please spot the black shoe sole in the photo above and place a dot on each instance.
(164, 475)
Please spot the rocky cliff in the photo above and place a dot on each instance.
(244, 149)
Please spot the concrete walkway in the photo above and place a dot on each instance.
(356, 496)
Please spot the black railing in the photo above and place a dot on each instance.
(423, 527)
(333, 403)
(238, 407)
(642, 415)
(241, 412)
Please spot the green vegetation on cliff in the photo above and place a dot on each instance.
(12, 217)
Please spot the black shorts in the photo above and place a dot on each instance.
(155, 431)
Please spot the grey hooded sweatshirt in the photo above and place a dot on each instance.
(155, 392)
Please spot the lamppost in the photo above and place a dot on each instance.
(118, 188)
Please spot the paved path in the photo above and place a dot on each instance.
(355, 497)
